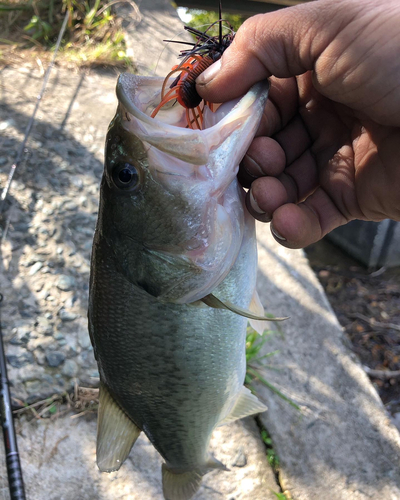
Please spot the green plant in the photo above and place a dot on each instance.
(280, 496)
(38, 29)
(93, 34)
(254, 343)
(272, 457)
(205, 18)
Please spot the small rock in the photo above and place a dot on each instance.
(70, 368)
(7, 123)
(58, 336)
(41, 343)
(34, 259)
(31, 372)
(3, 160)
(67, 315)
(33, 386)
(65, 282)
(69, 302)
(76, 181)
(39, 356)
(21, 335)
(48, 211)
(55, 358)
(35, 268)
(21, 360)
(240, 460)
(84, 339)
(44, 326)
(70, 205)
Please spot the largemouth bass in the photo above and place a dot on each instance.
(173, 244)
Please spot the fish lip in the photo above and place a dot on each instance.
(168, 138)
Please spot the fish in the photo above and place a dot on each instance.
(173, 281)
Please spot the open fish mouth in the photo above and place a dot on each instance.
(199, 167)
(141, 95)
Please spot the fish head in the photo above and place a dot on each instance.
(171, 210)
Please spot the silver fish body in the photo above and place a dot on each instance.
(170, 365)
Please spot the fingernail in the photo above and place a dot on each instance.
(276, 234)
(254, 204)
(209, 74)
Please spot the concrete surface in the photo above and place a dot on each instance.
(58, 460)
(342, 444)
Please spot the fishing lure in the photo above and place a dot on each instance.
(204, 52)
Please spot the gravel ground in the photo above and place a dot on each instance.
(48, 224)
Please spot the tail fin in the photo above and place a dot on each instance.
(180, 486)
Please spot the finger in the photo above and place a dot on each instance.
(294, 184)
(281, 106)
(293, 139)
(284, 43)
(297, 226)
(264, 197)
(264, 157)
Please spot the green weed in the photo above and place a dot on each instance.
(254, 343)
(280, 496)
(93, 34)
(205, 18)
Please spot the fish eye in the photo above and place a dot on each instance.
(125, 176)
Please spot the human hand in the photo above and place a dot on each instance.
(328, 148)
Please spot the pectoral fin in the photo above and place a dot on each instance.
(212, 301)
(116, 433)
(257, 308)
(246, 404)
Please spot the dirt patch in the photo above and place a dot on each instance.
(367, 305)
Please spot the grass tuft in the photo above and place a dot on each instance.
(93, 35)
(254, 343)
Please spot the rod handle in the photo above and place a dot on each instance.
(16, 483)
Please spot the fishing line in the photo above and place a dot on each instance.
(32, 118)
(165, 46)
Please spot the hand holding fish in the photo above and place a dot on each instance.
(327, 150)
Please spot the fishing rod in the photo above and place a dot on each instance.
(13, 464)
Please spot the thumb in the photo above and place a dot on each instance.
(283, 43)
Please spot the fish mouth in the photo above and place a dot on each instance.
(168, 131)
(200, 166)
